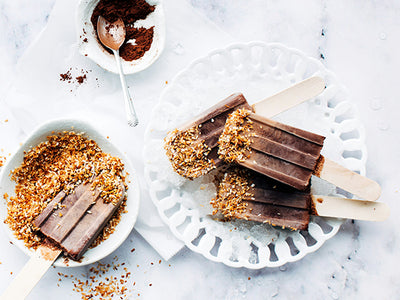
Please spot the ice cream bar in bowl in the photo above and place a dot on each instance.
(71, 198)
(192, 148)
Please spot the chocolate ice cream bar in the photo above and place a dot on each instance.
(282, 152)
(244, 194)
(73, 221)
(285, 153)
(192, 148)
(248, 195)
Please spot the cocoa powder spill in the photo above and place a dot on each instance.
(129, 11)
(81, 79)
(67, 76)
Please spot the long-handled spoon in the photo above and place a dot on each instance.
(112, 35)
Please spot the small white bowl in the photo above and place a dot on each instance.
(128, 219)
(90, 46)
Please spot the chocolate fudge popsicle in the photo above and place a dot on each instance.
(244, 194)
(73, 221)
(248, 195)
(282, 152)
(287, 154)
(192, 148)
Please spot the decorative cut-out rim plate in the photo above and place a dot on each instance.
(258, 70)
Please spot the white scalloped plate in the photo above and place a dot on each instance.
(128, 219)
(258, 70)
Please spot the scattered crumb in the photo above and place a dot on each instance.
(79, 77)
(2, 160)
(66, 77)
(97, 283)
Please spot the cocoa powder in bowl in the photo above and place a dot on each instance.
(129, 11)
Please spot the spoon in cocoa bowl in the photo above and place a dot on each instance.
(112, 35)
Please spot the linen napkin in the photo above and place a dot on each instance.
(39, 93)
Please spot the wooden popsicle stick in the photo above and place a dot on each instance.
(347, 180)
(290, 97)
(31, 273)
(337, 207)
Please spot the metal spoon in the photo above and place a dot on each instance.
(112, 35)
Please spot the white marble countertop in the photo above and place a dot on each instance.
(357, 41)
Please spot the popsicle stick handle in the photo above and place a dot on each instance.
(290, 97)
(30, 274)
(348, 180)
(337, 207)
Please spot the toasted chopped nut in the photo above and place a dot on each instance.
(232, 190)
(187, 153)
(2, 160)
(93, 286)
(234, 142)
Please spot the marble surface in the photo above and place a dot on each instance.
(357, 41)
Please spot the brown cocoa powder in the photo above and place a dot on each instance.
(66, 76)
(81, 79)
(129, 11)
(69, 78)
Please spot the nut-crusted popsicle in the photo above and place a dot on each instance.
(73, 221)
(248, 195)
(282, 152)
(192, 148)
(285, 153)
(243, 194)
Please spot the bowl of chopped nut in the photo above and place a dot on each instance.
(145, 32)
(58, 158)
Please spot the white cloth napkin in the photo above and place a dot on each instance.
(38, 94)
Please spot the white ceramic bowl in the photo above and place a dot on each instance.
(128, 219)
(90, 46)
